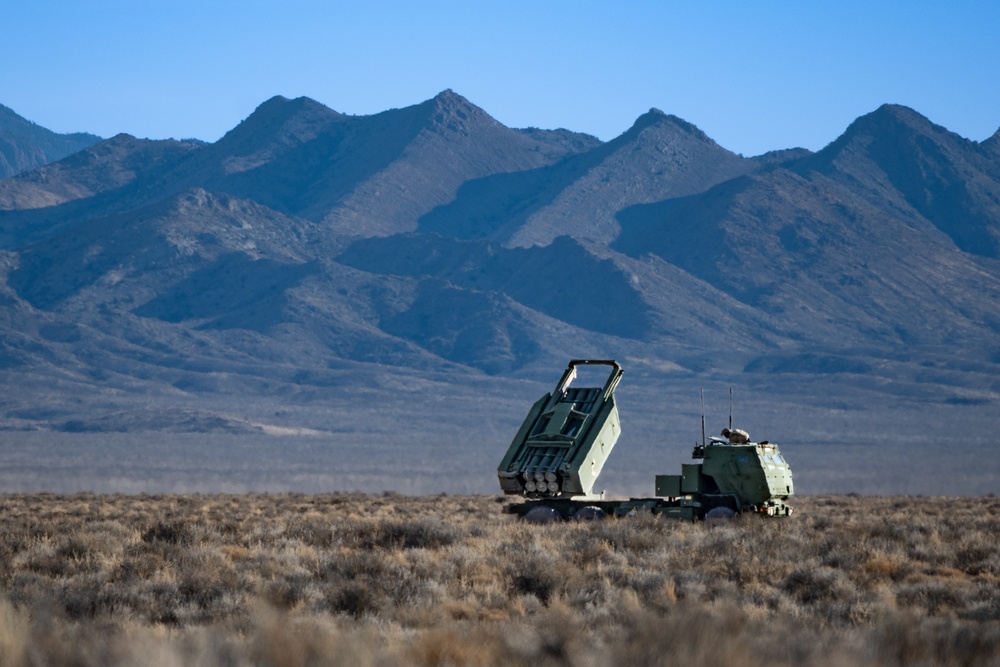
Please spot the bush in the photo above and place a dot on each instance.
(294, 580)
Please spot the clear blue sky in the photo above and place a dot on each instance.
(754, 75)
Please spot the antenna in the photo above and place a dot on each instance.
(730, 408)
(702, 416)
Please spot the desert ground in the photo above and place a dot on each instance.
(387, 579)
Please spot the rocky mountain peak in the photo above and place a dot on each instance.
(895, 152)
(665, 124)
(887, 138)
(280, 120)
(992, 145)
(889, 124)
(449, 111)
(449, 98)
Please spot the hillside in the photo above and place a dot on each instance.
(313, 270)
(659, 157)
(25, 145)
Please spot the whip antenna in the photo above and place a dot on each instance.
(730, 408)
(702, 416)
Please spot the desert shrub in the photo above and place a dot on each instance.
(289, 579)
(984, 608)
(400, 534)
(879, 567)
(358, 583)
(15, 629)
(932, 596)
(639, 533)
(908, 639)
(289, 592)
(815, 584)
(174, 532)
(311, 532)
(354, 598)
(538, 582)
(978, 556)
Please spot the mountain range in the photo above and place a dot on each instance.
(309, 254)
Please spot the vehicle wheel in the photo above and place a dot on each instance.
(721, 513)
(542, 515)
(589, 513)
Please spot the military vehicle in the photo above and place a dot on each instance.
(563, 443)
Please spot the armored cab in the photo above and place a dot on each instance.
(735, 474)
(564, 441)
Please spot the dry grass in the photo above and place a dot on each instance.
(289, 580)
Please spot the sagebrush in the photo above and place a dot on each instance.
(290, 580)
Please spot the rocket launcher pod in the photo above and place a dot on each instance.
(561, 447)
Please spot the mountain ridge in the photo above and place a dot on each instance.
(532, 205)
(943, 176)
(25, 145)
(435, 242)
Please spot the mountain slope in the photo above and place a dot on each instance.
(951, 181)
(310, 254)
(361, 176)
(454, 142)
(563, 280)
(141, 253)
(659, 157)
(117, 175)
(367, 175)
(25, 145)
(833, 251)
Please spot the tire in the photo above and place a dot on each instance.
(542, 514)
(720, 513)
(589, 513)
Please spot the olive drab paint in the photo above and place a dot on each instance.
(563, 443)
